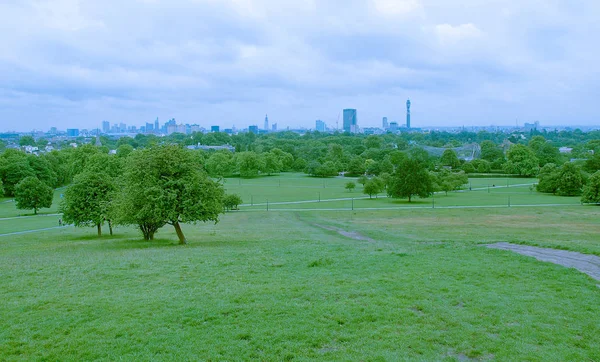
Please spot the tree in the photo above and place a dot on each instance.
(362, 180)
(31, 193)
(410, 179)
(220, 164)
(350, 186)
(449, 158)
(271, 163)
(570, 180)
(356, 166)
(548, 179)
(164, 185)
(373, 187)
(231, 201)
(327, 169)
(249, 164)
(87, 201)
(1, 188)
(26, 141)
(492, 153)
(445, 180)
(124, 150)
(591, 191)
(14, 167)
(521, 161)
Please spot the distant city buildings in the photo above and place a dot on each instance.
(266, 123)
(253, 129)
(384, 123)
(72, 132)
(320, 125)
(214, 128)
(274, 127)
(105, 126)
(350, 123)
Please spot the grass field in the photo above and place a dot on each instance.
(280, 285)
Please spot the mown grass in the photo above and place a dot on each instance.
(278, 286)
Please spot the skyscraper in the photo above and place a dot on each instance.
(105, 126)
(408, 113)
(320, 125)
(156, 129)
(384, 123)
(266, 122)
(350, 120)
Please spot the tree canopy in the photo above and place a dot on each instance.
(31, 193)
(164, 185)
(410, 179)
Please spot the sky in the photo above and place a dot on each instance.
(75, 63)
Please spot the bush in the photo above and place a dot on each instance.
(232, 201)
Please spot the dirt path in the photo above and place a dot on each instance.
(349, 234)
(588, 264)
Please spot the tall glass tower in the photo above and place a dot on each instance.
(350, 120)
(408, 113)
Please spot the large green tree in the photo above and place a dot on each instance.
(410, 179)
(521, 161)
(591, 191)
(164, 185)
(449, 158)
(87, 201)
(31, 193)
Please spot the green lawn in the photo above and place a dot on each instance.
(277, 286)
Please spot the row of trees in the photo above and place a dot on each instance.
(150, 188)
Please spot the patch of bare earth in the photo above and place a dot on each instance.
(588, 264)
(349, 234)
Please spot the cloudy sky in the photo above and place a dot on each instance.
(74, 63)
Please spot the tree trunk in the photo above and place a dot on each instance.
(179, 233)
(35, 210)
(99, 229)
(409, 198)
(110, 227)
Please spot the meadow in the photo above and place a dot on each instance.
(309, 279)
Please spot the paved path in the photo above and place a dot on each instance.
(588, 264)
(23, 217)
(34, 231)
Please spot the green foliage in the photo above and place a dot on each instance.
(1, 188)
(124, 150)
(492, 153)
(220, 164)
(468, 167)
(591, 191)
(446, 180)
(31, 193)
(570, 180)
(231, 201)
(410, 179)
(356, 166)
(87, 201)
(14, 167)
(26, 140)
(567, 180)
(249, 163)
(271, 163)
(373, 186)
(449, 158)
(592, 164)
(350, 186)
(521, 161)
(548, 179)
(164, 185)
(363, 180)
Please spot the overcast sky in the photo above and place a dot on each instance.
(72, 64)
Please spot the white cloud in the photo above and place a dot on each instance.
(451, 35)
(396, 7)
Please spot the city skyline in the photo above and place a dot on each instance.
(70, 63)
